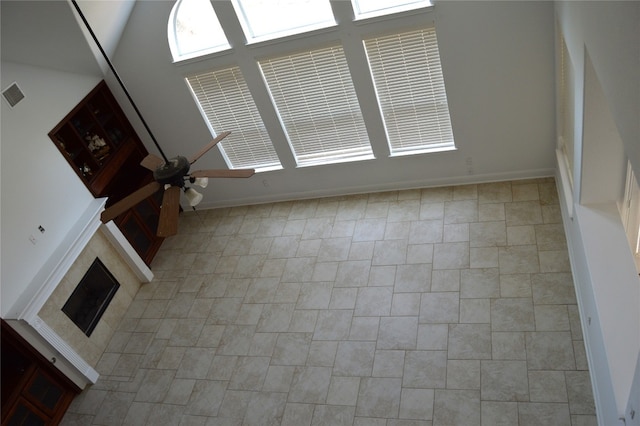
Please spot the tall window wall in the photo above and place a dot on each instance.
(293, 79)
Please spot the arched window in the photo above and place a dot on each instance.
(194, 30)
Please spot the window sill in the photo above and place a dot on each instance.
(283, 37)
(259, 169)
(381, 15)
(420, 151)
(202, 55)
(326, 162)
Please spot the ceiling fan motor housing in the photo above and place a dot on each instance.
(173, 171)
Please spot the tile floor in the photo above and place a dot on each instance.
(443, 306)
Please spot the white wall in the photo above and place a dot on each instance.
(108, 19)
(38, 187)
(602, 40)
(497, 59)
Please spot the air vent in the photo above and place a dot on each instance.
(13, 95)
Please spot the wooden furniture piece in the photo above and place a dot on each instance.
(33, 391)
(103, 149)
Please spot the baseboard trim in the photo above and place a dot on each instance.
(393, 186)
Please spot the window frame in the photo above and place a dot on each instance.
(251, 38)
(350, 33)
(566, 122)
(630, 213)
(408, 6)
(239, 152)
(302, 154)
(442, 119)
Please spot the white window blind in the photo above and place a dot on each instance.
(411, 93)
(318, 107)
(226, 104)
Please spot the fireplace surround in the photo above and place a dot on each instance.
(91, 297)
(38, 315)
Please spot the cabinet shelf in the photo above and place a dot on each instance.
(103, 149)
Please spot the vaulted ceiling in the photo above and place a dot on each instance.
(46, 34)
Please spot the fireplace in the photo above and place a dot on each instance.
(91, 297)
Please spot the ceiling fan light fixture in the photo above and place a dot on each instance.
(193, 196)
(202, 182)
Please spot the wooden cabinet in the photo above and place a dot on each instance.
(103, 149)
(33, 391)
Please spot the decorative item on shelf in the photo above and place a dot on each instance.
(102, 153)
(86, 170)
(62, 145)
(94, 142)
(98, 147)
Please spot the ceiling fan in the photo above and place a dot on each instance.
(168, 174)
(171, 175)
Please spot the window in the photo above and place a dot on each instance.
(268, 19)
(370, 8)
(566, 108)
(308, 89)
(226, 104)
(315, 97)
(630, 212)
(194, 30)
(410, 87)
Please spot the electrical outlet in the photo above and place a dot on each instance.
(33, 239)
(469, 162)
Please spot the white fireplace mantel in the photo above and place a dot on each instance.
(45, 282)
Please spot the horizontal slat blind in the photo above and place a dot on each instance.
(227, 104)
(318, 107)
(410, 88)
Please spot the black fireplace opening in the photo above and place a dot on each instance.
(91, 297)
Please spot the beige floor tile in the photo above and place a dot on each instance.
(343, 391)
(439, 307)
(550, 350)
(416, 404)
(534, 413)
(425, 369)
(512, 314)
(469, 341)
(456, 407)
(463, 374)
(547, 386)
(398, 333)
(499, 413)
(436, 306)
(379, 397)
(504, 381)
